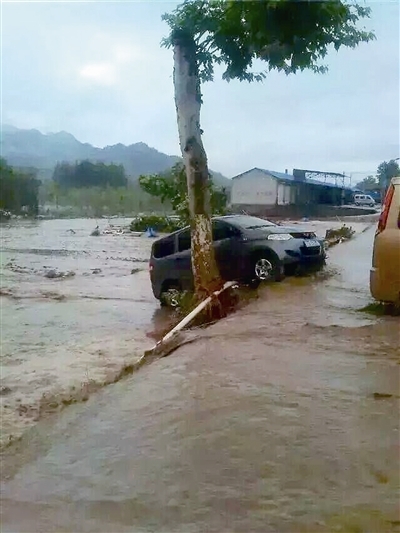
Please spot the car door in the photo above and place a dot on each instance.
(226, 238)
(183, 260)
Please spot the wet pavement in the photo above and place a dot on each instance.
(281, 418)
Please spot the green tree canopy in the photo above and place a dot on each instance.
(367, 184)
(18, 190)
(88, 174)
(386, 171)
(287, 35)
(171, 187)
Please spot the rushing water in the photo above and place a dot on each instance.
(59, 333)
(281, 418)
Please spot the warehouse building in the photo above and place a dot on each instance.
(267, 192)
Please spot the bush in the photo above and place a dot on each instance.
(158, 223)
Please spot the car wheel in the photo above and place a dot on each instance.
(267, 268)
(171, 297)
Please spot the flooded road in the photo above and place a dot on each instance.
(281, 418)
(61, 335)
(64, 337)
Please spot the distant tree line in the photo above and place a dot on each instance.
(98, 201)
(86, 174)
(385, 172)
(19, 191)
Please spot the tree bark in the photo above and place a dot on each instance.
(188, 104)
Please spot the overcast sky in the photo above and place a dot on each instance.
(97, 71)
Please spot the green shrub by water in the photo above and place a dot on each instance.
(160, 224)
(382, 309)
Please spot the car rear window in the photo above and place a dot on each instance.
(184, 241)
(164, 247)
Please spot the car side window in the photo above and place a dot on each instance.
(164, 247)
(221, 231)
(184, 241)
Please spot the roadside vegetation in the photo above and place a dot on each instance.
(382, 309)
(159, 223)
(18, 190)
(170, 188)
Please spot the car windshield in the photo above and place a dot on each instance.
(247, 222)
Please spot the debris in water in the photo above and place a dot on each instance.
(96, 270)
(150, 232)
(4, 391)
(18, 269)
(382, 395)
(336, 236)
(191, 316)
(381, 477)
(96, 232)
(54, 274)
(51, 274)
(54, 296)
(7, 292)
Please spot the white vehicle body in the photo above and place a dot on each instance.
(364, 199)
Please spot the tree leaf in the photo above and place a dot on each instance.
(287, 35)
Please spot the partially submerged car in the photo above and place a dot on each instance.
(385, 271)
(247, 249)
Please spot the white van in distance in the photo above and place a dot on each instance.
(364, 199)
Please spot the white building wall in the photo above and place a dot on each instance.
(281, 194)
(254, 188)
(288, 195)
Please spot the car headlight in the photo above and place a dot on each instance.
(279, 237)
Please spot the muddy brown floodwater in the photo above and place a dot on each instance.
(281, 418)
(64, 336)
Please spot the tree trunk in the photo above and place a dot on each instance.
(188, 104)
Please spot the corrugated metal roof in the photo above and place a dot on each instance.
(277, 175)
(290, 178)
(327, 184)
(280, 175)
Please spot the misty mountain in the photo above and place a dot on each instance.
(31, 148)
